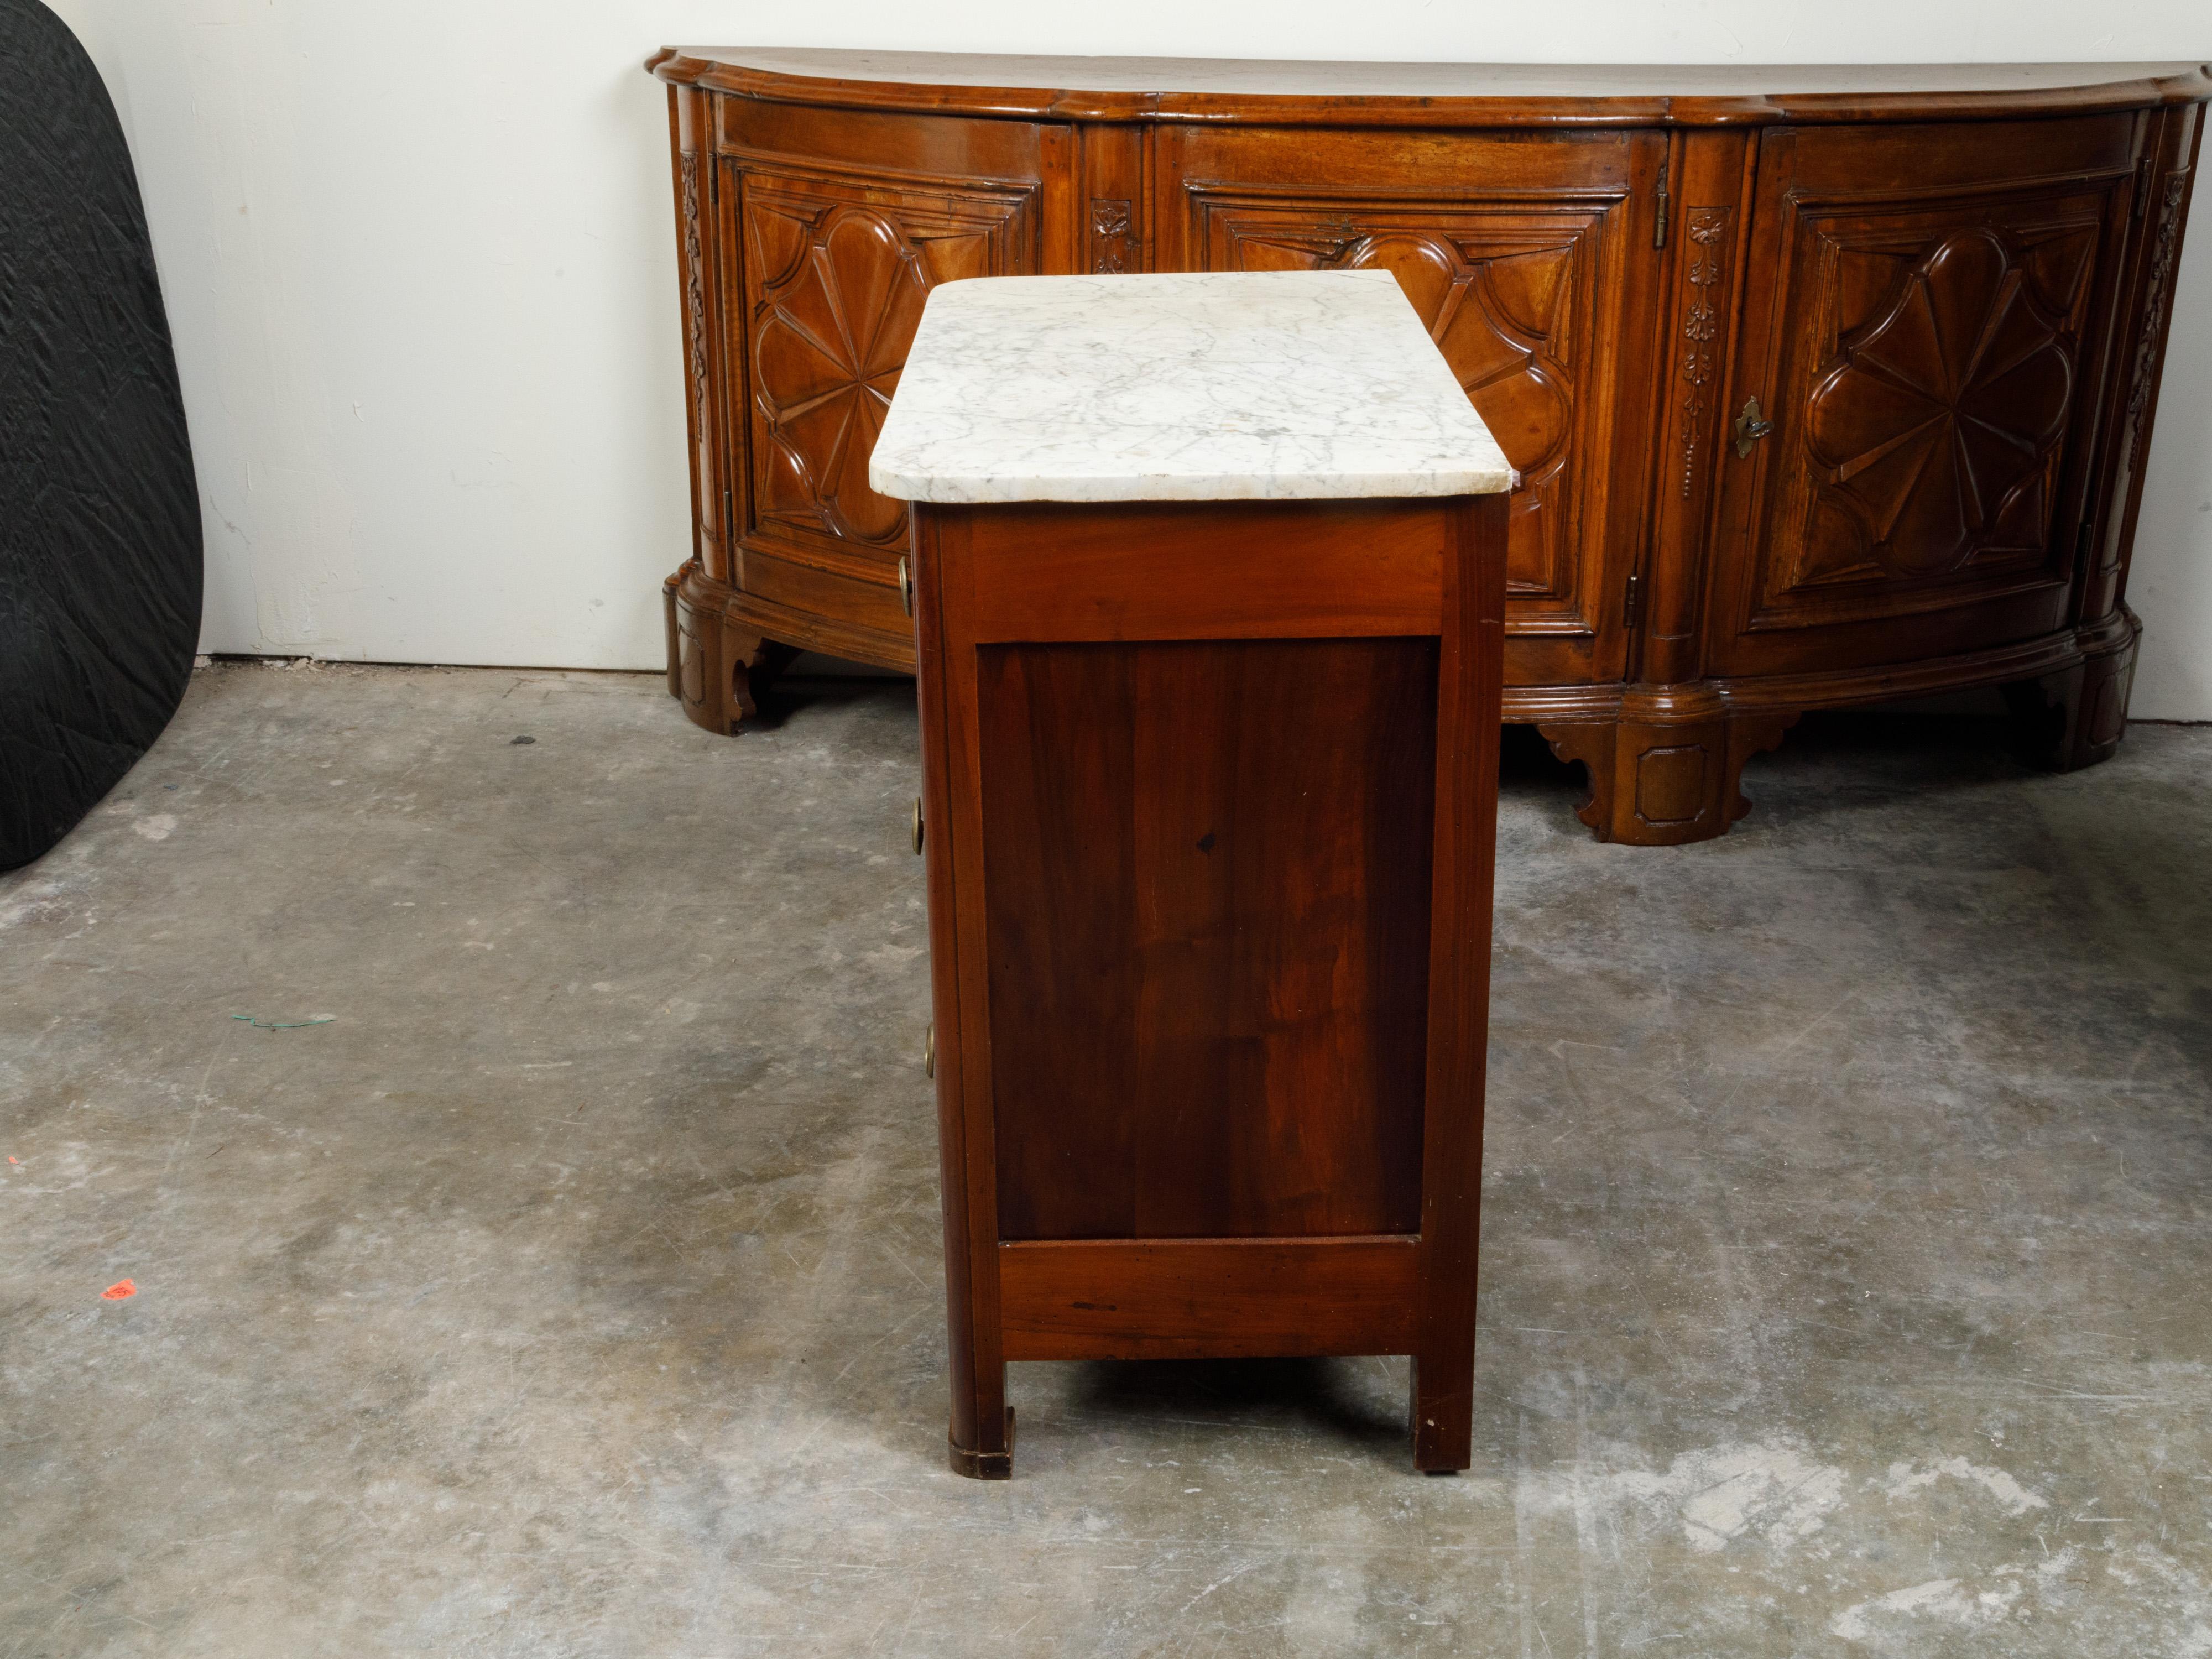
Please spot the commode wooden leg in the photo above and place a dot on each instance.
(1444, 1408)
(1670, 770)
(987, 1462)
(675, 640)
(751, 662)
(717, 665)
(1590, 744)
(2076, 717)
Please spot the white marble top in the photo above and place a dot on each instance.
(1222, 386)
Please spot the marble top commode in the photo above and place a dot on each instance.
(1225, 385)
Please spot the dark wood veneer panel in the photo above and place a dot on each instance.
(1210, 1297)
(1207, 926)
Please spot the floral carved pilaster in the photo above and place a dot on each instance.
(695, 291)
(2147, 343)
(1701, 328)
(1113, 245)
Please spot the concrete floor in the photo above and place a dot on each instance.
(1847, 1270)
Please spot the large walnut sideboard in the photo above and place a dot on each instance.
(1826, 385)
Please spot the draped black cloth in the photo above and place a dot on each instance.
(100, 523)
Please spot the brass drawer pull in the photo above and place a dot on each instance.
(905, 587)
(929, 1053)
(917, 825)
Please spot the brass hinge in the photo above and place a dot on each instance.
(1659, 229)
(2143, 189)
(2087, 537)
(1631, 607)
(727, 511)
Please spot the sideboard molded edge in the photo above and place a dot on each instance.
(1610, 98)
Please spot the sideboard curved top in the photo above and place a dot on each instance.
(1281, 91)
(1826, 384)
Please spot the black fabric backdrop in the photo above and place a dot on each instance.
(100, 522)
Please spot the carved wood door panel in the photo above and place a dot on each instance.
(1506, 296)
(1518, 258)
(1931, 353)
(835, 270)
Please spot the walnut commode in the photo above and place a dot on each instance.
(1209, 575)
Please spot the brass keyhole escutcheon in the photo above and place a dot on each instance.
(906, 586)
(929, 1053)
(917, 826)
(1750, 426)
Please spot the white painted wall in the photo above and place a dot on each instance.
(421, 272)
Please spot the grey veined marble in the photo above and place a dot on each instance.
(1218, 385)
